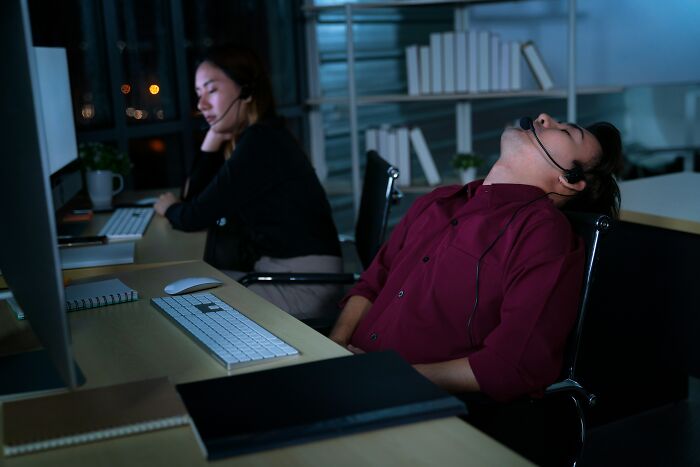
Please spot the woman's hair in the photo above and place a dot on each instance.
(244, 67)
(602, 195)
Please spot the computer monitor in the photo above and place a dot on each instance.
(29, 258)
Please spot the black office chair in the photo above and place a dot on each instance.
(550, 430)
(378, 194)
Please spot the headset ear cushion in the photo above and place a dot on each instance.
(575, 174)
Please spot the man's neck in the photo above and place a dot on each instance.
(503, 172)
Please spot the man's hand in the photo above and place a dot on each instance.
(213, 140)
(164, 202)
(348, 320)
(355, 350)
(454, 375)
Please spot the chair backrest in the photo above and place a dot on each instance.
(590, 227)
(373, 214)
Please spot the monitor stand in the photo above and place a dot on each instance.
(31, 374)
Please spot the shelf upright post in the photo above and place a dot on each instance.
(571, 88)
(352, 109)
(463, 109)
(316, 135)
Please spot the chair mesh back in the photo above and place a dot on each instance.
(374, 207)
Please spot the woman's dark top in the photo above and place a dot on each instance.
(269, 196)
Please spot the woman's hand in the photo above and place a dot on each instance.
(164, 202)
(213, 140)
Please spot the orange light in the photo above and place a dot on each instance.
(154, 89)
(156, 145)
(126, 89)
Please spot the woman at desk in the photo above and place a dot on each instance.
(253, 187)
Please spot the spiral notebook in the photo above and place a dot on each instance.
(91, 415)
(99, 293)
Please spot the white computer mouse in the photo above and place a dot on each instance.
(191, 284)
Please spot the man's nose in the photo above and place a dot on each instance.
(545, 120)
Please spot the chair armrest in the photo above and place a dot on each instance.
(293, 278)
(572, 386)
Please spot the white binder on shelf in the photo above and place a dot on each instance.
(412, 73)
(536, 64)
(495, 63)
(516, 83)
(448, 62)
(461, 61)
(371, 139)
(484, 54)
(424, 157)
(425, 69)
(504, 80)
(383, 141)
(436, 63)
(473, 61)
(404, 156)
(393, 152)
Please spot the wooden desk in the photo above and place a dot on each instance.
(133, 341)
(669, 201)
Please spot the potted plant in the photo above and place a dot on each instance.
(466, 165)
(103, 163)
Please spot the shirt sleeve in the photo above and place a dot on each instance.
(239, 179)
(204, 169)
(542, 285)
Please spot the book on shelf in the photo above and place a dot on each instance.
(404, 156)
(412, 73)
(483, 63)
(448, 62)
(461, 61)
(504, 81)
(495, 63)
(90, 415)
(537, 66)
(424, 157)
(383, 141)
(436, 78)
(98, 293)
(473, 61)
(372, 139)
(425, 69)
(515, 73)
(392, 155)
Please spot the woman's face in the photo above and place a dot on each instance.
(218, 98)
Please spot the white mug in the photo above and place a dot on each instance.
(99, 184)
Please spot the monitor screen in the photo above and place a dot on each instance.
(29, 258)
(55, 106)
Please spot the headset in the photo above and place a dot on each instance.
(573, 175)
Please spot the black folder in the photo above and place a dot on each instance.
(267, 409)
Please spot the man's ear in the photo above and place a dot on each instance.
(578, 187)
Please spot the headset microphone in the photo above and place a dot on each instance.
(209, 125)
(572, 175)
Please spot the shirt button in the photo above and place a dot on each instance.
(426, 259)
(373, 336)
(401, 292)
(453, 222)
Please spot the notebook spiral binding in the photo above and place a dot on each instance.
(94, 302)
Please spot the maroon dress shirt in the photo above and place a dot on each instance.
(422, 284)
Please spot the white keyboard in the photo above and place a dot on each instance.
(127, 224)
(224, 332)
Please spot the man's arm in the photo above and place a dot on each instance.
(454, 376)
(355, 308)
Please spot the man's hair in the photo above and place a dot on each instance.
(602, 195)
(245, 68)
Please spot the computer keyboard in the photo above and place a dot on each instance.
(127, 224)
(224, 332)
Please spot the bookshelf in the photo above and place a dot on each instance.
(462, 101)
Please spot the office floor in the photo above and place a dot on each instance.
(666, 436)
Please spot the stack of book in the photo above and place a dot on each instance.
(394, 143)
(471, 62)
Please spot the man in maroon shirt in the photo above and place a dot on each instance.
(478, 286)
